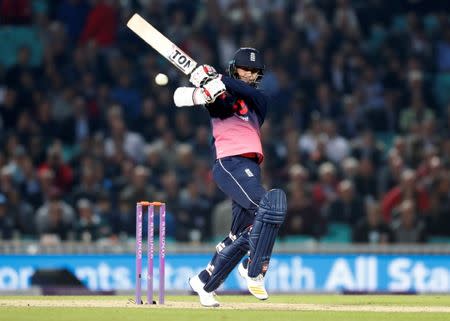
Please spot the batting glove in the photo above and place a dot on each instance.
(213, 89)
(202, 74)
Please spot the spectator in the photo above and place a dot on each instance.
(440, 205)
(371, 228)
(406, 190)
(78, 127)
(339, 77)
(298, 178)
(221, 220)
(48, 127)
(148, 113)
(155, 161)
(443, 52)
(62, 104)
(88, 188)
(349, 168)
(26, 127)
(138, 188)
(345, 19)
(427, 134)
(193, 220)
(22, 67)
(352, 121)
(22, 214)
(168, 145)
(6, 220)
(9, 110)
(317, 158)
(101, 24)
(201, 143)
(103, 208)
(309, 20)
(302, 217)
(308, 141)
(325, 104)
(389, 175)
(366, 146)
(415, 114)
(184, 130)
(15, 164)
(124, 219)
(121, 139)
(170, 192)
(185, 164)
(127, 96)
(87, 226)
(372, 89)
(366, 181)
(347, 207)
(55, 217)
(325, 191)
(430, 170)
(63, 173)
(408, 227)
(73, 13)
(319, 55)
(337, 147)
(384, 119)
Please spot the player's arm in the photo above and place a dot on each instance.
(188, 96)
(247, 92)
(204, 74)
(191, 96)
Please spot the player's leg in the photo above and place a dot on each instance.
(241, 220)
(228, 254)
(240, 180)
(230, 251)
(268, 219)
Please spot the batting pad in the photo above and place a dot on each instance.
(269, 217)
(226, 260)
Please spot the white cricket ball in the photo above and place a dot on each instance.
(161, 79)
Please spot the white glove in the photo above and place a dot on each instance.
(192, 96)
(213, 89)
(202, 74)
(189, 96)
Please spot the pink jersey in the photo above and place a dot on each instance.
(236, 120)
(237, 135)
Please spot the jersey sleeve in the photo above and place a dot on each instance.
(248, 93)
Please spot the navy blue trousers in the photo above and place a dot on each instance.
(240, 179)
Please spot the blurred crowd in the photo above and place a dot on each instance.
(358, 132)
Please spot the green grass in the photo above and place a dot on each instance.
(132, 313)
(396, 300)
(125, 314)
(391, 300)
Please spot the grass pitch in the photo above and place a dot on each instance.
(234, 308)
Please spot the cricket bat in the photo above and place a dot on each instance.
(161, 44)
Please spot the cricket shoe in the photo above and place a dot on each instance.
(255, 285)
(207, 299)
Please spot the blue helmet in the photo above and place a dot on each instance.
(247, 58)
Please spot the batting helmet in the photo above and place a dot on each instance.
(247, 58)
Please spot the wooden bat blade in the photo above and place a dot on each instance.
(161, 44)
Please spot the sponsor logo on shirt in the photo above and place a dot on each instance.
(245, 118)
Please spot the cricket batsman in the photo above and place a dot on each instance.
(237, 109)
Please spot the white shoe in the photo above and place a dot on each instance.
(207, 299)
(255, 285)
